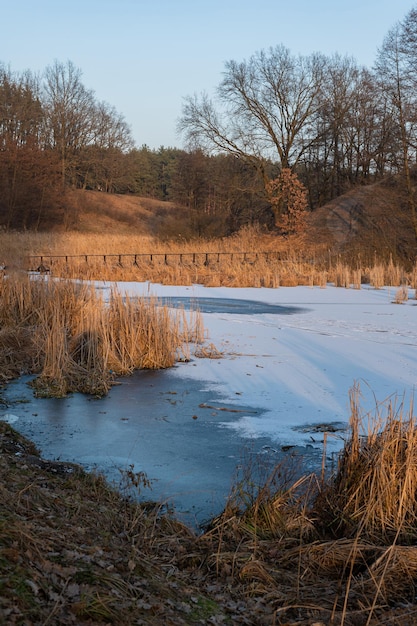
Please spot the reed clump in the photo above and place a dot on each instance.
(336, 549)
(73, 340)
(374, 492)
(17, 353)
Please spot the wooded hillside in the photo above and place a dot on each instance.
(332, 128)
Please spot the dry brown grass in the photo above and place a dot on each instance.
(250, 258)
(334, 551)
(75, 551)
(17, 352)
(288, 549)
(374, 494)
(75, 341)
(271, 558)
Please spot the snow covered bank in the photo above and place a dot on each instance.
(300, 367)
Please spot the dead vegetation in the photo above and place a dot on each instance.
(66, 334)
(336, 550)
(339, 550)
(251, 258)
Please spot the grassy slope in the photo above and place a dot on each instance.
(74, 552)
(371, 218)
(100, 212)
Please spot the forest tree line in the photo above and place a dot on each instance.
(331, 122)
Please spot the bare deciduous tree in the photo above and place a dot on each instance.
(69, 108)
(27, 170)
(395, 69)
(266, 107)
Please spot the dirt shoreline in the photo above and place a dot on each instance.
(73, 551)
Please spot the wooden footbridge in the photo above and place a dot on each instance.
(45, 263)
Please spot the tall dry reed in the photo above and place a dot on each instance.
(78, 342)
(335, 551)
(118, 257)
(374, 491)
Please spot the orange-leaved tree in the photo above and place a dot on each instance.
(288, 198)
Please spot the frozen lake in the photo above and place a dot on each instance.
(170, 426)
(289, 357)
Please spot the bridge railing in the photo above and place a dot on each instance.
(45, 263)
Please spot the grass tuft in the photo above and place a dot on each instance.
(74, 341)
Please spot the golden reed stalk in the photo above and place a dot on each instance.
(78, 342)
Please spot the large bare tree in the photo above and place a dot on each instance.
(265, 108)
(69, 110)
(102, 162)
(91, 137)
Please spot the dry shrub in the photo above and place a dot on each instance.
(143, 334)
(19, 301)
(394, 274)
(208, 352)
(267, 503)
(357, 278)
(377, 276)
(338, 557)
(341, 276)
(412, 278)
(389, 577)
(288, 281)
(401, 295)
(66, 306)
(333, 551)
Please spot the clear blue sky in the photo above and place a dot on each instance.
(144, 56)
